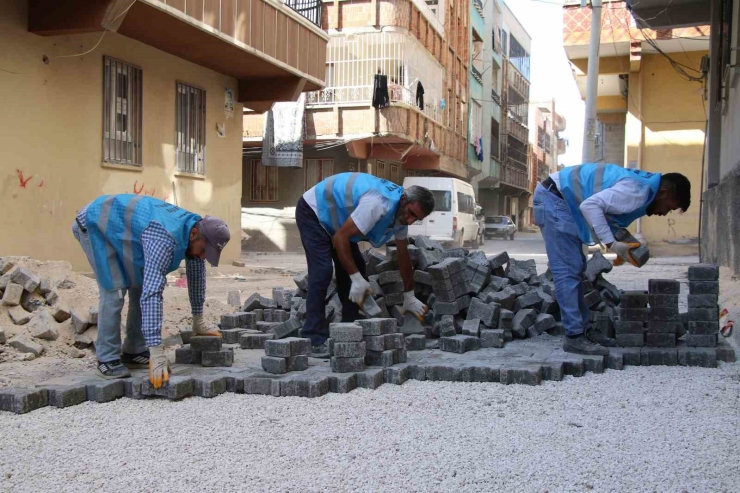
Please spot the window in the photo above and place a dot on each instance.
(476, 124)
(264, 182)
(190, 118)
(317, 170)
(395, 175)
(122, 122)
(380, 169)
(465, 203)
(442, 201)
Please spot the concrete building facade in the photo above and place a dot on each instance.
(108, 97)
(412, 43)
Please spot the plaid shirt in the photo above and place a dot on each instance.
(159, 248)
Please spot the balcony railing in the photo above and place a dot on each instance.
(479, 7)
(363, 95)
(496, 98)
(494, 170)
(310, 9)
(512, 174)
(476, 73)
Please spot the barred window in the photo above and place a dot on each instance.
(317, 170)
(122, 108)
(190, 118)
(264, 182)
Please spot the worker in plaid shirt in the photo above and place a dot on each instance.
(132, 243)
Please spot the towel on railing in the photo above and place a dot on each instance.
(380, 91)
(282, 142)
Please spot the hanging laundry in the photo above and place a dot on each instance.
(442, 104)
(479, 148)
(476, 143)
(420, 96)
(282, 139)
(380, 91)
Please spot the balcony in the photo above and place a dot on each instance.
(478, 5)
(275, 50)
(517, 81)
(514, 174)
(495, 97)
(477, 75)
(562, 146)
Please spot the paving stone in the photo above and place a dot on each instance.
(60, 314)
(347, 365)
(634, 314)
(608, 290)
(660, 340)
(25, 346)
(518, 289)
(345, 332)
(422, 277)
(704, 314)
(487, 313)
(401, 355)
(297, 363)
(385, 358)
(634, 299)
(176, 389)
(416, 342)
(523, 320)
(392, 299)
(257, 301)
(304, 386)
(664, 286)
(498, 261)
(459, 344)
(371, 378)
(12, 294)
(703, 327)
(615, 361)
(279, 348)
(543, 323)
(224, 357)
(725, 352)
(506, 319)
(594, 364)
(492, 338)
(592, 298)
(185, 336)
(553, 371)
(668, 327)
(632, 356)
(596, 266)
(205, 343)
(132, 387)
(51, 298)
(663, 300)
(396, 375)
(703, 357)
(628, 327)
(86, 339)
(630, 340)
(701, 340)
(19, 315)
(497, 283)
(524, 375)
(27, 279)
(471, 327)
(5, 265)
(342, 383)
(186, 356)
(411, 325)
(389, 277)
(262, 386)
(666, 314)
(231, 336)
(517, 274)
(287, 328)
(275, 365)
(395, 341)
(374, 343)
(445, 308)
(351, 349)
(703, 287)
(104, 390)
(650, 356)
(21, 401)
(443, 373)
(703, 272)
(702, 300)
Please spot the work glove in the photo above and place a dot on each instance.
(200, 328)
(360, 287)
(412, 304)
(623, 253)
(159, 366)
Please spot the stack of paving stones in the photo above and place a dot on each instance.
(347, 347)
(285, 355)
(703, 318)
(664, 317)
(206, 351)
(633, 314)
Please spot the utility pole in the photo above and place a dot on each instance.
(592, 83)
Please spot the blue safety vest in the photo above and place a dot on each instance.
(577, 183)
(338, 196)
(115, 224)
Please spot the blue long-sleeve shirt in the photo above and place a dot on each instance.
(159, 248)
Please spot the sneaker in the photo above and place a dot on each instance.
(136, 361)
(581, 345)
(320, 350)
(113, 369)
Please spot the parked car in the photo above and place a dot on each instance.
(453, 220)
(500, 227)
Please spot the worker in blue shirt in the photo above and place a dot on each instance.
(132, 242)
(586, 204)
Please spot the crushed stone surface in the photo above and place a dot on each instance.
(641, 429)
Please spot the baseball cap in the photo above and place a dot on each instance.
(217, 236)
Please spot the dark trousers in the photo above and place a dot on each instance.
(320, 254)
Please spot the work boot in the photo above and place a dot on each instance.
(113, 369)
(581, 345)
(320, 350)
(133, 361)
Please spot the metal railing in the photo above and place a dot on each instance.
(476, 73)
(512, 174)
(310, 9)
(478, 5)
(496, 98)
(494, 170)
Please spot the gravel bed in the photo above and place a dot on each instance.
(641, 429)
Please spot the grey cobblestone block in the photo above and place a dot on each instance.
(630, 340)
(518, 289)
(176, 389)
(523, 320)
(531, 299)
(209, 386)
(184, 356)
(377, 326)
(492, 338)
(701, 340)
(660, 340)
(523, 375)
(266, 327)
(663, 300)
(703, 272)
(703, 357)
(342, 383)
(704, 314)
(301, 281)
(12, 294)
(602, 325)
(396, 375)
(375, 343)
(629, 327)
(471, 327)
(389, 277)
(25, 346)
(393, 288)
(634, 299)
(443, 373)
(105, 390)
(385, 358)
(67, 395)
(27, 279)
(665, 314)
(230, 320)
(664, 286)
(505, 299)
(703, 327)
(615, 361)
(346, 332)
(446, 308)
(459, 344)
(516, 274)
(498, 261)
(297, 363)
(416, 342)
(385, 266)
(282, 348)
(401, 355)
(596, 266)
(205, 343)
(592, 298)
(275, 315)
(259, 313)
(275, 365)
(498, 283)
(131, 388)
(287, 328)
(231, 336)
(506, 319)
(351, 349)
(594, 364)
(725, 351)
(702, 300)
(422, 277)
(663, 327)
(371, 378)
(483, 312)
(394, 341)
(257, 301)
(262, 386)
(224, 357)
(543, 323)
(650, 356)
(21, 401)
(393, 299)
(634, 314)
(472, 372)
(631, 356)
(608, 290)
(703, 287)
(304, 386)
(587, 285)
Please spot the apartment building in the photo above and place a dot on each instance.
(414, 44)
(137, 96)
(544, 135)
(651, 96)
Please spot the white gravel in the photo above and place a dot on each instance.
(641, 429)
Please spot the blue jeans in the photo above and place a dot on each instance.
(565, 255)
(108, 345)
(320, 255)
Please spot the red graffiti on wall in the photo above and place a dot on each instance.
(137, 192)
(23, 182)
(41, 184)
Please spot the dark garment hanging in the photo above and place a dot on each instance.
(420, 96)
(380, 91)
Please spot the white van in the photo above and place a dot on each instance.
(453, 220)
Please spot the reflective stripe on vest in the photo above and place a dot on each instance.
(111, 256)
(126, 240)
(348, 199)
